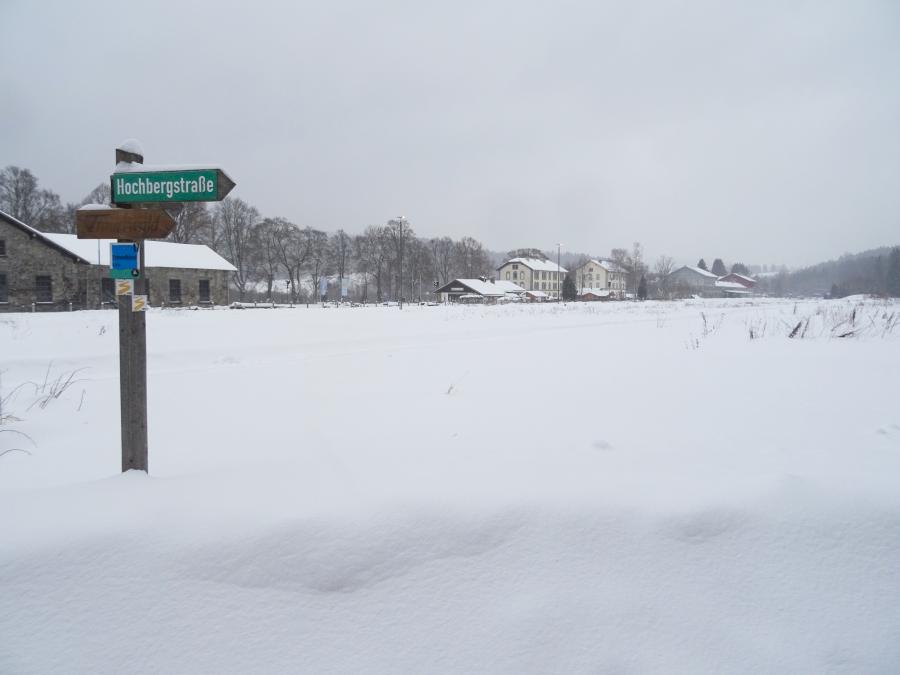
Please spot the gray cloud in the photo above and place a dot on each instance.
(763, 132)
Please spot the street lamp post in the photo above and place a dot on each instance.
(558, 280)
(400, 220)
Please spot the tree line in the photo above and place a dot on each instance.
(275, 258)
(872, 272)
(278, 259)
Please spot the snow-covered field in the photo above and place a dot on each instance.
(607, 488)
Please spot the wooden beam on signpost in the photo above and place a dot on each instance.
(128, 224)
(133, 358)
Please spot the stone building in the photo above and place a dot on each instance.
(42, 271)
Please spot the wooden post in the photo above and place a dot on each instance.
(133, 365)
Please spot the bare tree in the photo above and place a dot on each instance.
(237, 223)
(398, 234)
(420, 267)
(317, 260)
(269, 235)
(663, 268)
(664, 265)
(193, 225)
(527, 253)
(442, 251)
(340, 248)
(293, 250)
(470, 259)
(636, 265)
(371, 254)
(99, 195)
(21, 198)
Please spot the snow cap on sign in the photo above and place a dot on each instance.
(132, 145)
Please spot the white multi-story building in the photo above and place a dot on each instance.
(601, 275)
(533, 274)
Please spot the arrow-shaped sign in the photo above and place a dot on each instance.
(170, 185)
(131, 224)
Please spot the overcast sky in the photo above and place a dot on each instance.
(763, 132)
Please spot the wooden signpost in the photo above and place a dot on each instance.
(138, 212)
(115, 223)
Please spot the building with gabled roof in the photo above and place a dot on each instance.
(745, 281)
(697, 281)
(487, 290)
(602, 275)
(533, 274)
(595, 294)
(51, 271)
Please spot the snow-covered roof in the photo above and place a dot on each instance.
(730, 284)
(485, 288)
(36, 234)
(599, 292)
(697, 270)
(537, 294)
(158, 253)
(536, 264)
(508, 286)
(608, 265)
(749, 280)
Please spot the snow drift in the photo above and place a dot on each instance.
(610, 488)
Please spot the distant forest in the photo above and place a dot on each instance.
(876, 271)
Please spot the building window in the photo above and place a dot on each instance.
(203, 292)
(107, 289)
(2, 248)
(515, 267)
(4, 291)
(174, 290)
(43, 288)
(507, 275)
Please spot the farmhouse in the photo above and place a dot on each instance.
(533, 274)
(41, 271)
(746, 282)
(700, 282)
(693, 280)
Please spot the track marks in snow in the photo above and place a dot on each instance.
(704, 526)
(326, 557)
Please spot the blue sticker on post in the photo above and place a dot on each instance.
(123, 256)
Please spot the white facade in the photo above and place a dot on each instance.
(601, 274)
(533, 274)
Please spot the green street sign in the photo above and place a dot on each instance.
(124, 274)
(177, 185)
